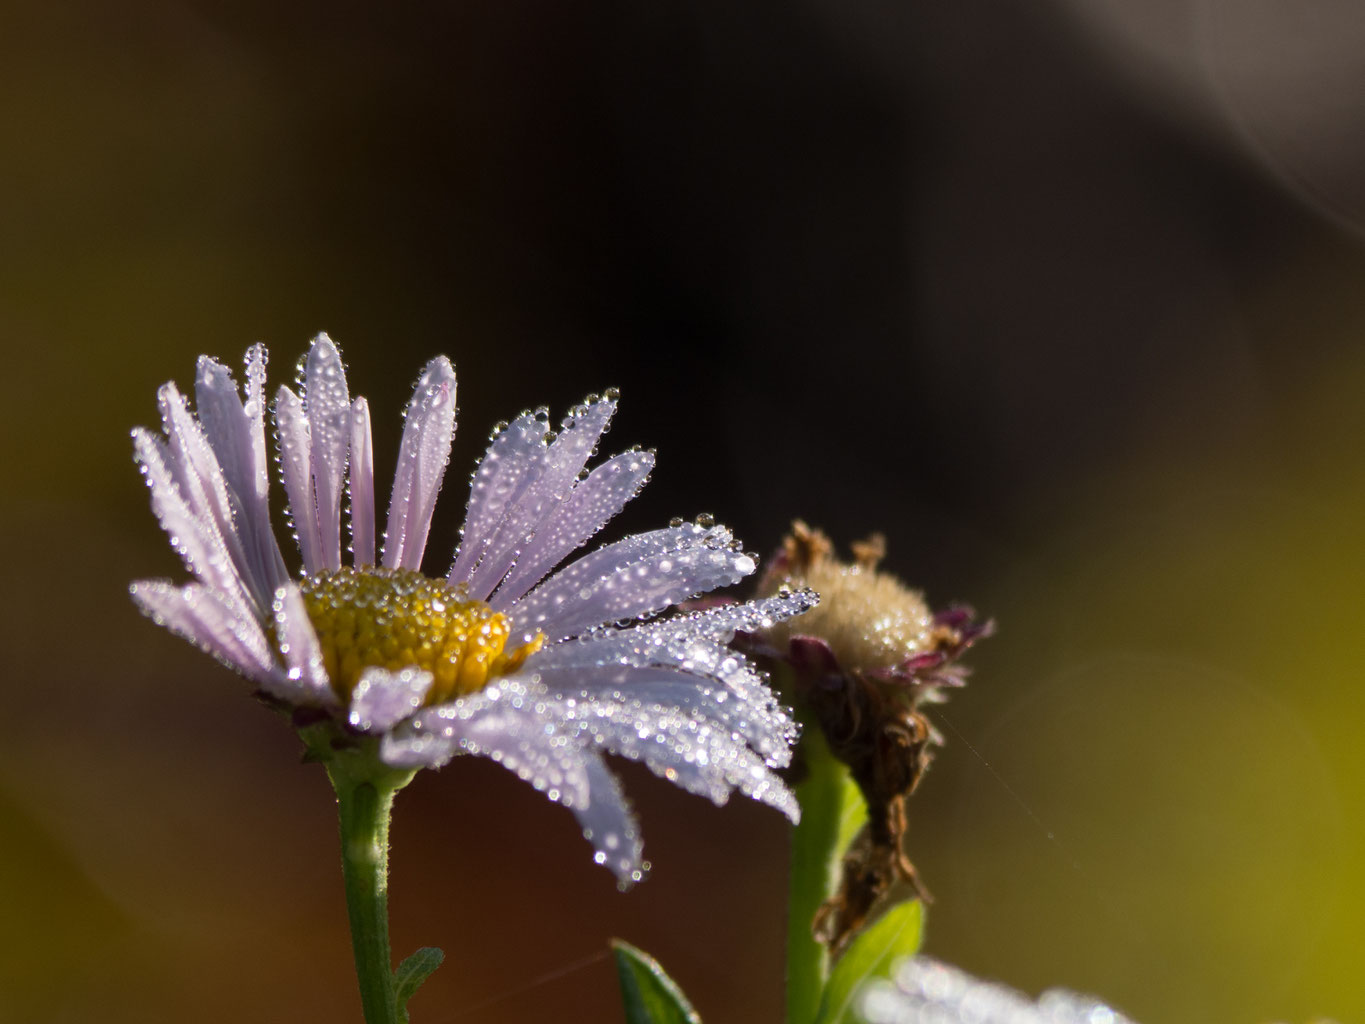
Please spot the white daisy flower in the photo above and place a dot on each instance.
(541, 671)
(926, 991)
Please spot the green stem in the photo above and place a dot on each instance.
(365, 791)
(831, 810)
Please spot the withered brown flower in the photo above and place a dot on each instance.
(862, 664)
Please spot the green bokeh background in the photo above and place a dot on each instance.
(1051, 298)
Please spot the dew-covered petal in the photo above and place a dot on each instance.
(550, 480)
(514, 724)
(926, 991)
(722, 621)
(422, 456)
(682, 747)
(502, 475)
(684, 660)
(1065, 1006)
(197, 473)
(215, 625)
(229, 429)
(547, 740)
(1062, 1006)
(608, 823)
(672, 640)
(696, 645)
(632, 578)
(758, 718)
(327, 404)
(195, 538)
(236, 432)
(589, 506)
(362, 484)
(381, 699)
(508, 721)
(296, 468)
(196, 469)
(298, 645)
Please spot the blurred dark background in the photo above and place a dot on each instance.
(1064, 298)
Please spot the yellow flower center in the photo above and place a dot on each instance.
(395, 618)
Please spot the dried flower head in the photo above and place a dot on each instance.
(863, 663)
(541, 671)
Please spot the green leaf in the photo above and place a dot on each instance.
(648, 994)
(410, 975)
(895, 934)
(832, 811)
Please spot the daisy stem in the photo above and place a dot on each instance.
(831, 811)
(365, 792)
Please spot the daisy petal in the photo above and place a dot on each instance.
(381, 699)
(195, 466)
(362, 484)
(200, 479)
(684, 749)
(237, 436)
(722, 621)
(763, 723)
(196, 541)
(672, 641)
(228, 428)
(327, 404)
(609, 824)
(923, 989)
(504, 472)
(681, 660)
(296, 467)
(298, 645)
(633, 578)
(211, 623)
(422, 457)
(509, 722)
(587, 509)
(550, 482)
(1061, 1006)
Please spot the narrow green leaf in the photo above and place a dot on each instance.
(410, 975)
(895, 934)
(648, 994)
